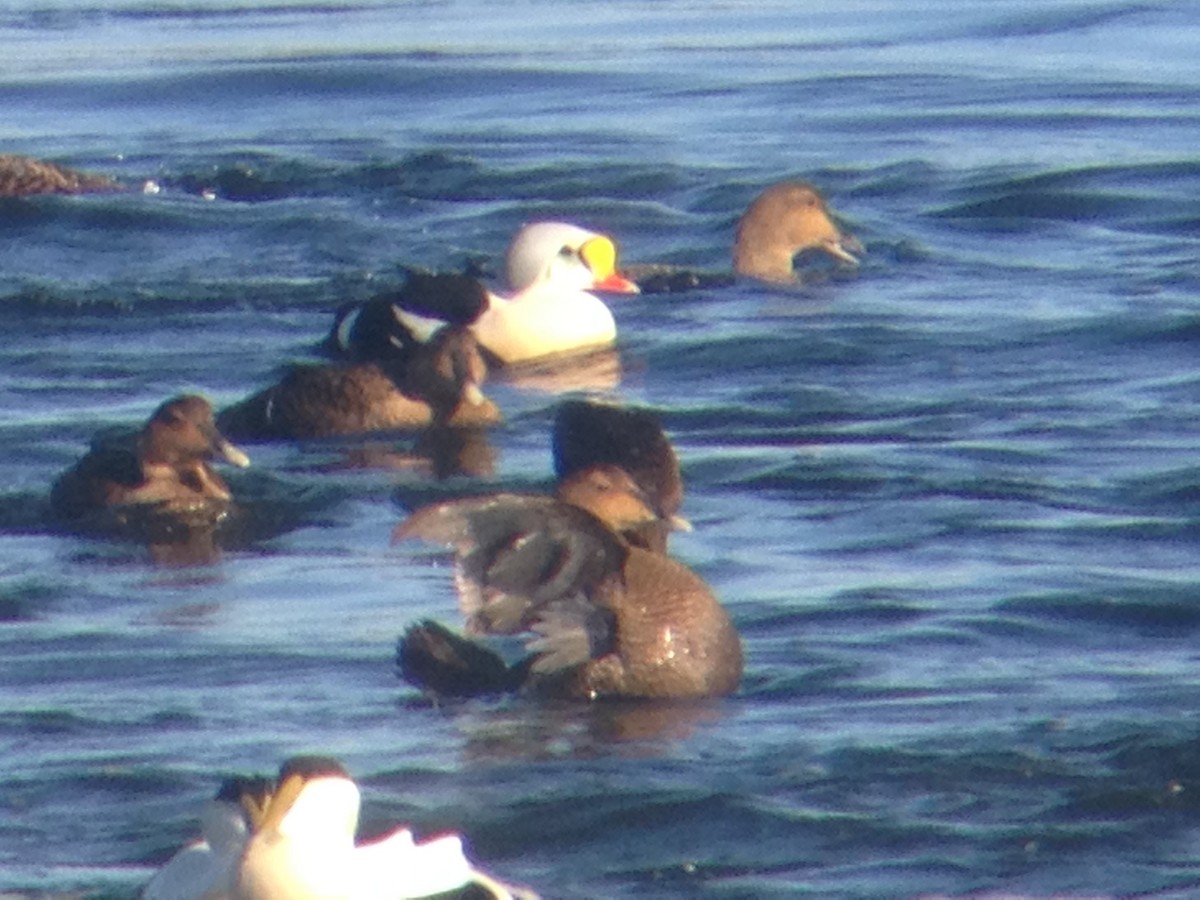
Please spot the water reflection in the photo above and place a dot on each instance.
(437, 453)
(525, 729)
(597, 371)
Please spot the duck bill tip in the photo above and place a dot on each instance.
(844, 248)
(234, 456)
(473, 394)
(616, 284)
(838, 251)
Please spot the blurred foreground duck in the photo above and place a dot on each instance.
(549, 309)
(608, 617)
(422, 385)
(205, 867)
(293, 839)
(301, 847)
(159, 477)
(785, 220)
(24, 176)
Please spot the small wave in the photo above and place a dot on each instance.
(1032, 23)
(1149, 331)
(1148, 198)
(1176, 491)
(121, 298)
(55, 18)
(441, 175)
(258, 178)
(1164, 612)
(1058, 205)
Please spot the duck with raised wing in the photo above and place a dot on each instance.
(607, 618)
(162, 472)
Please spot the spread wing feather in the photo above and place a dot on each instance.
(529, 563)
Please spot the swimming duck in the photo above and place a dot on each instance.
(551, 268)
(609, 618)
(23, 176)
(783, 221)
(162, 471)
(435, 384)
(204, 868)
(303, 847)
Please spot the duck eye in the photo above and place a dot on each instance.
(567, 252)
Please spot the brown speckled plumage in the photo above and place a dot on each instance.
(164, 468)
(23, 176)
(609, 619)
(437, 385)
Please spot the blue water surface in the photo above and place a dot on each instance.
(951, 499)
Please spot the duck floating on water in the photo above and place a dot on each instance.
(159, 476)
(424, 385)
(782, 222)
(608, 617)
(552, 269)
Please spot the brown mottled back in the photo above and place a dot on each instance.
(23, 176)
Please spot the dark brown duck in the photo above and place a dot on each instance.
(608, 619)
(165, 468)
(435, 384)
(589, 433)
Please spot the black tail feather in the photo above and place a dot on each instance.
(445, 664)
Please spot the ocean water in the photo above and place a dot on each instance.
(951, 499)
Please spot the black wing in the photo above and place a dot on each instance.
(389, 325)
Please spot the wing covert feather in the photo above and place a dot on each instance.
(516, 554)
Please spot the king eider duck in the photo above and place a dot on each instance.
(549, 309)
